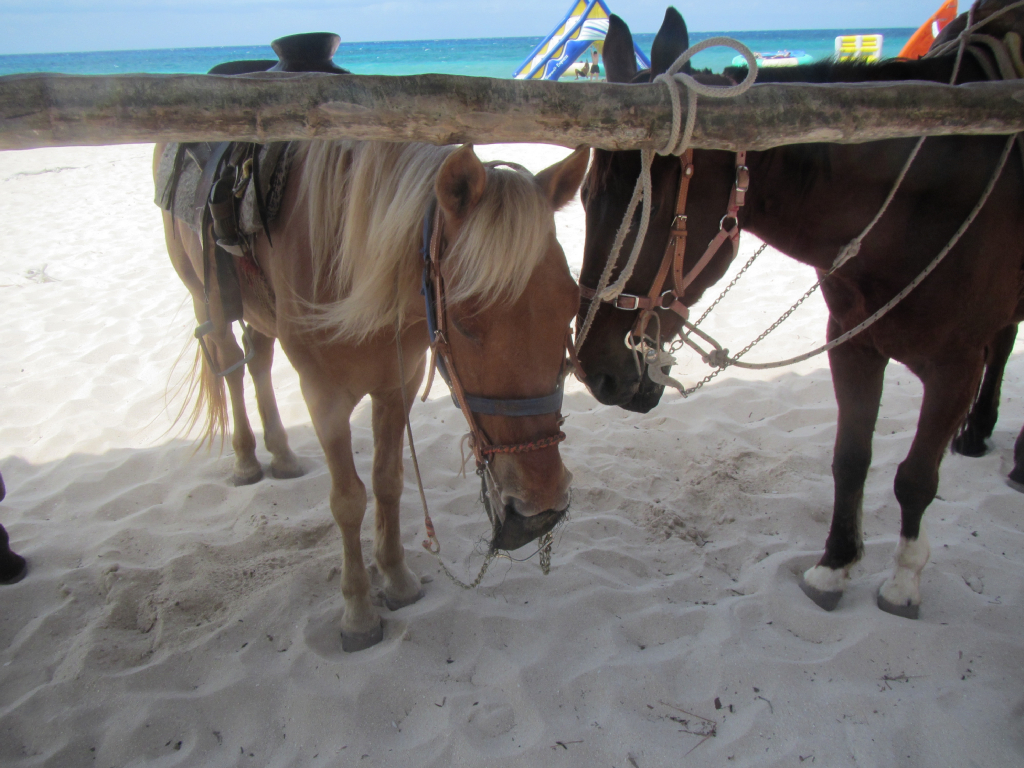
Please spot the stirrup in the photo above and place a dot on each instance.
(247, 345)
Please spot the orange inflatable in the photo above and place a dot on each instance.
(919, 43)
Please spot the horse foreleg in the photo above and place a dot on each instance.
(985, 412)
(401, 586)
(948, 390)
(857, 374)
(330, 410)
(284, 463)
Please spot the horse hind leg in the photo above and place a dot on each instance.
(401, 585)
(981, 421)
(224, 349)
(210, 406)
(284, 464)
(857, 375)
(948, 391)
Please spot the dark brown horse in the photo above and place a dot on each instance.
(809, 201)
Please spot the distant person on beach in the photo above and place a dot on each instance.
(595, 65)
(582, 71)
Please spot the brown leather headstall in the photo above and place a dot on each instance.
(675, 253)
(442, 361)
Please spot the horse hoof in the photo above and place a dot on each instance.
(972, 449)
(250, 479)
(907, 611)
(360, 641)
(393, 604)
(286, 473)
(13, 569)
(1016, 479)
(826, 600)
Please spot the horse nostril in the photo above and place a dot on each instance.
(523, 508)
(608, 389)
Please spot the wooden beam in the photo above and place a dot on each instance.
(63, 110)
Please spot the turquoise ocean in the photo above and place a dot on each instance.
(488, 57)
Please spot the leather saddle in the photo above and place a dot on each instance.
(228, 172)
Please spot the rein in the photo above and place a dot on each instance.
(432, 288)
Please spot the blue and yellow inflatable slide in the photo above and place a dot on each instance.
(585, 25)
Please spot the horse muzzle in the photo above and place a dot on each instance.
(515, 530)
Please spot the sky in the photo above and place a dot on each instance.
(50, 26)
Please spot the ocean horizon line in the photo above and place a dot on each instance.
(497, 57)
(344, 43)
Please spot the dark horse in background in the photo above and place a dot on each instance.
(809, 201)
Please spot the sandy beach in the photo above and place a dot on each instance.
(169, 618)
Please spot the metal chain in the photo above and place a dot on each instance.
(677, 344)
(546, 542)
(780, 321)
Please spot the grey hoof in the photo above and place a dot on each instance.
(240, 480)
(905, 611)
(826, 600)
(360, 641)
(286, 474)
(394, 605)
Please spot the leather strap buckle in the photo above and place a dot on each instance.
(628, 302)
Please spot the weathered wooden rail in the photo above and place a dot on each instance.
(63, 110)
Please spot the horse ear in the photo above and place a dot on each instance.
(669, 44)
(460, 183)
(561, 180)
(619, 58)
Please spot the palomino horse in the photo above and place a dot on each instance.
(340, 287)
(809, 201)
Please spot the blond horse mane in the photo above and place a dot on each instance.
(366, 202)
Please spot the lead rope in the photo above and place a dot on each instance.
(431, 543)
(679, 140)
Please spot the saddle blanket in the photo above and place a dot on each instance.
(273, 164)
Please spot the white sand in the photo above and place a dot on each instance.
(171, 619)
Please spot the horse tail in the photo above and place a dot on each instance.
(205, 403)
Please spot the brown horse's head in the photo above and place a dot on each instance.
(613, 373)
(509, 301)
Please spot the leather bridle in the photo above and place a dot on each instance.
(441, 360)
(675, 253)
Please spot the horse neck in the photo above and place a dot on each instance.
(809, 200)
